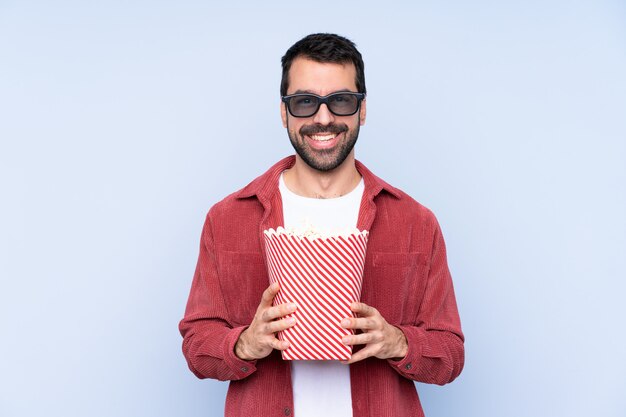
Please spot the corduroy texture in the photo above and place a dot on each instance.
(406, 278)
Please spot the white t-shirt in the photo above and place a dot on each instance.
(321, 388)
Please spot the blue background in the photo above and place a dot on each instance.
(121, 123)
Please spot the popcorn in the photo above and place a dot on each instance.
(311, 233)
(322, 272)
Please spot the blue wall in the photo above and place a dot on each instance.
(122, 123)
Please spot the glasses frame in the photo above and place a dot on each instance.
(324, 100)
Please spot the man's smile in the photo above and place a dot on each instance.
(323, 141)
(323, 137)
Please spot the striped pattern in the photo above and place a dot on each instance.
(322, 276)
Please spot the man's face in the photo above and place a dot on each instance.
(324, 140)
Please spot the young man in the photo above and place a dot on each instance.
(407, 326)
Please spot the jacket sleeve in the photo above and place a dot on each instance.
(435, 353)
(208, 337)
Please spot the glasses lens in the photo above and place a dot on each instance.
(343, 104)
(303, 106)
(340, 104)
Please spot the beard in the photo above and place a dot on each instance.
(324, 159)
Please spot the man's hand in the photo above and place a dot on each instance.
(382, 340)
(259, 339)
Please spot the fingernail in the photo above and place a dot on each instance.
(291, 320)
(345, 323)
(346, 340)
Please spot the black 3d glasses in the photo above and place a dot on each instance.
(339, 104)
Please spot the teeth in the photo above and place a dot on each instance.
(322, 138)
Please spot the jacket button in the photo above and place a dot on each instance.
(287, 411)
(408, 366)
(244, 369)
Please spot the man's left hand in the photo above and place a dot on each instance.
(381, 339)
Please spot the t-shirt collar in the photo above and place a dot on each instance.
(266, 185)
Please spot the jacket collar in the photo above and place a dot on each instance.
(265, 186)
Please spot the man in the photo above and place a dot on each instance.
(406, 327)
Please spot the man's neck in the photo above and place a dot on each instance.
(309, 182)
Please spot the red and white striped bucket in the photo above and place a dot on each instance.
(323, 276)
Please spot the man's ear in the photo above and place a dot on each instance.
(283, 113)
(363, 111)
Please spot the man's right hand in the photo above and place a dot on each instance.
(259, 339)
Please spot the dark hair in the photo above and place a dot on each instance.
(324, 47)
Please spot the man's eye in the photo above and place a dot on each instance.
(303, 101)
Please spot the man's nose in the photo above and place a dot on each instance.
(323, 115)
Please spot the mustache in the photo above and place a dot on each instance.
(333, 128)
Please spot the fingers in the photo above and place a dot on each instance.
(363, 309)
(269, 313)
(276, 312)
(360, 323)
(259, 339)
(369, 318)
(380, 339)
(268, 295)
(360, 355)
(279, 344)
(279, 325)
(271, 319)
(361, 339)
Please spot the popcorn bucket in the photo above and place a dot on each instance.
(323, 275)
